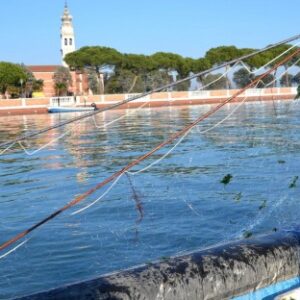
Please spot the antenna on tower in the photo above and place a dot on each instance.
(66, 4)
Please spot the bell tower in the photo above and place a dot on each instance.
(67, 36)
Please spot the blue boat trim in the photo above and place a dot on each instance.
(270, 292)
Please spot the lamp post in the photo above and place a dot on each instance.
(28, 90)
(21, 82)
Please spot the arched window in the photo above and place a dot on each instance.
(70, 42)
(66, 42)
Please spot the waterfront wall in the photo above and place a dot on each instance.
(221, 272)
(39, 105)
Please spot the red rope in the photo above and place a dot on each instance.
(143, 157)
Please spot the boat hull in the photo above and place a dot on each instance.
(69, 109)
(221, 272)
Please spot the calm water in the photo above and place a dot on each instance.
(185, 205)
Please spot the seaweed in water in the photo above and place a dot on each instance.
(247, 234)
(238, 197)
(280, 161)
(263, 205)
(293, 183)
(226, 179)
(165, 258)
(137, 200)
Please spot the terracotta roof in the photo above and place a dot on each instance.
(43, 68)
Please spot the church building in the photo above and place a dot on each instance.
(46, 72)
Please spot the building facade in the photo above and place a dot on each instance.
(79, 85)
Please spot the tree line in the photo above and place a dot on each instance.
(17, 81)
(134, 73)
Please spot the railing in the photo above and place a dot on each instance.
(146, 98)
(294, 90)
(254, 92)
(62, 101)
(199, 94)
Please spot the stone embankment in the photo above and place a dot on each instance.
(40, 105)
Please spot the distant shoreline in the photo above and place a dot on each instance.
(10, 107)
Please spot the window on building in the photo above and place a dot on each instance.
(66, 42)
(70, 42)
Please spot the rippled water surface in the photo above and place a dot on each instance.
(185, 206)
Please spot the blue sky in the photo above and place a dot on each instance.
(30, 28)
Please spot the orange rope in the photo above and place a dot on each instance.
(143, 157)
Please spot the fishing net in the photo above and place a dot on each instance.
(234, 181)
